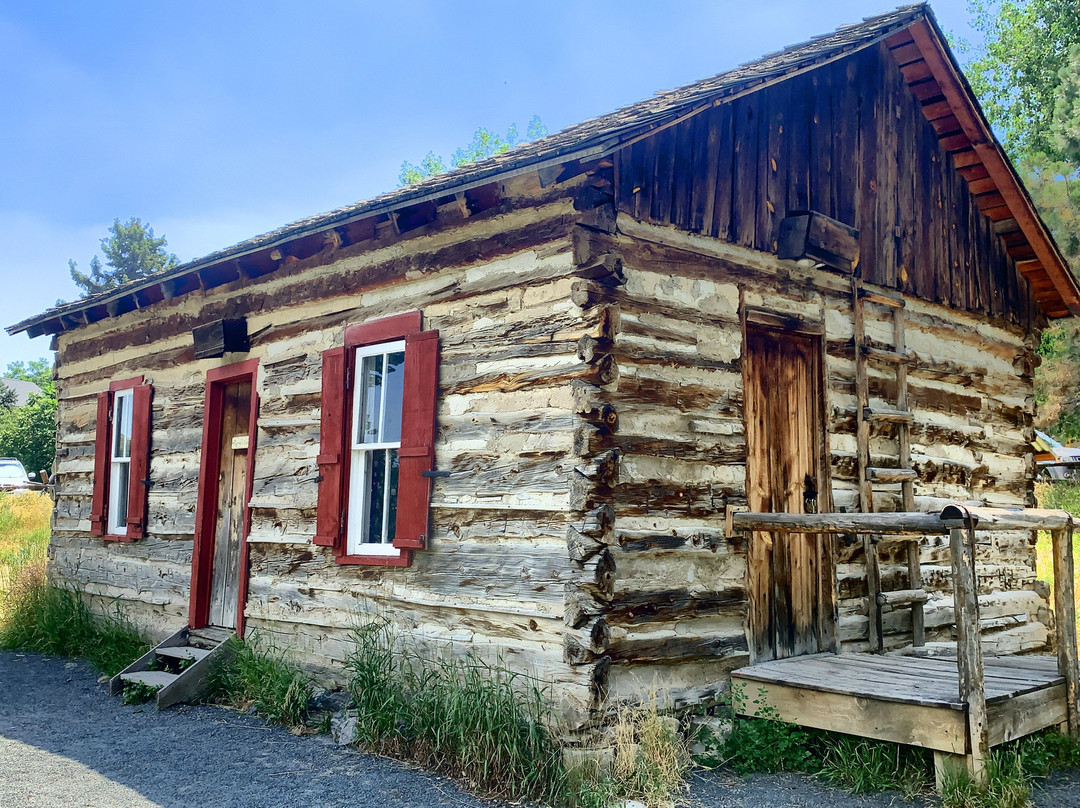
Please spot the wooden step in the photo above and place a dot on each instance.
(208, 637)
(879, 475)
(887, 416)
(884, 356)
(151, 678)
(183, 652)
(881, 297)
(206, 648)
(902, 597)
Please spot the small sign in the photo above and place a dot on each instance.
(240, 442)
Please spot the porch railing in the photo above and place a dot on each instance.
(960, 523)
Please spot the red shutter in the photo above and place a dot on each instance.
(140, 461)
(328, 526)
(101, 466)
(417, 453)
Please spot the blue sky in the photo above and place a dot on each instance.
(216, 121)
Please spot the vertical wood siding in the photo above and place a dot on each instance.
(848, 140)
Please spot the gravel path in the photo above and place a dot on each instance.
(65, 743)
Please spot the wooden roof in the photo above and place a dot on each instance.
(911, 33)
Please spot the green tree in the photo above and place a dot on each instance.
(1016, 70)
(29, 432)
(484, 143)
(38, 371)
(1026, 73)
(131, 252)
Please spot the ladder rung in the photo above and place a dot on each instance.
(882, 298)
(902, 597)
(888, 416)
(891, 475)
(881, 355)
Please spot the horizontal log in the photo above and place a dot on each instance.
(888, 416)
(913, 523)
(882, 355)
(1002, 519)
(880, 475)
(675, 649)
(902, 597)
(883, 298)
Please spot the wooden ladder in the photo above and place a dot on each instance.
(900, 419)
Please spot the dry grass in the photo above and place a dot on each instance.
(24, 541)
(1065, 495)
(37, 616)
(651, 757)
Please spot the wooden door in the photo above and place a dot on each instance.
(782, 374)
(231, 493)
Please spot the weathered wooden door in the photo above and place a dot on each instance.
(782, 373)
(231, 494)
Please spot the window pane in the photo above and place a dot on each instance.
(122, 425)
(370, 391)
(376, 467)
(391, 503)
(118, 497)
(395, 392)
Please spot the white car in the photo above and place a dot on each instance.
(13, 476)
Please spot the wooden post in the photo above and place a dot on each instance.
(1065, 612)
(873, 588)
(969, 661)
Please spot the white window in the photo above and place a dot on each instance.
(120, 462)
(378, 389)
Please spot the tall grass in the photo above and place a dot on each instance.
(260, 676)
(37, 616)
(465, 718)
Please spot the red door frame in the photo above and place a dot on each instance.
(206, 510)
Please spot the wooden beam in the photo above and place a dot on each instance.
(1003, 519)
(1065, 618)
(969, 660)
(892, 523)
(816, 237)
(990, 154)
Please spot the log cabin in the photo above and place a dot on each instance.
(530, 407)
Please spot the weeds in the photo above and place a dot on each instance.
(139, 692)
(766, 744)
(1006, 786)
(650, 757)
(478, 722)
(259, 676)
(861, 766)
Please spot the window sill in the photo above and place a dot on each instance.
(402, 558)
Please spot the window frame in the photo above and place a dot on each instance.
(105, 523)
(114, 526)
(416, 456)
(353, 517)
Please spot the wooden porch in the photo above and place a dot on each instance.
(959, 707)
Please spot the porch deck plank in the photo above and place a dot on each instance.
(927, 681)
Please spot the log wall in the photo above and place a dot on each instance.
(497, 287)
(590, 413)
(678, 618)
